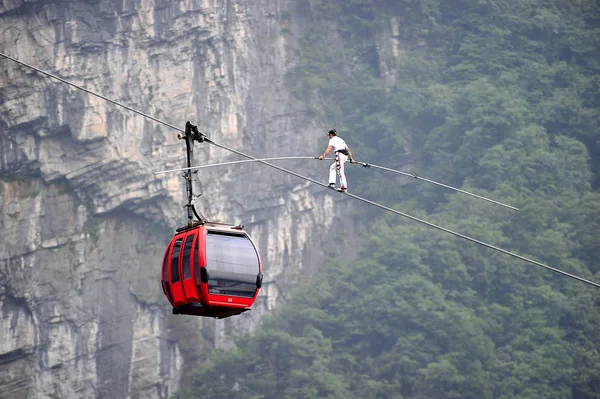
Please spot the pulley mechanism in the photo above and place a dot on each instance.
(191, 135)
(192, 132)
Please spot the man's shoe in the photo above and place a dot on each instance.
(342, 189)
(332, 185)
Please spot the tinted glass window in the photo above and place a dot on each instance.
(231, 287)
(197, 264)
(231, 253)
(187, 257)
(175, 261)
(166, 269)
(166, 274)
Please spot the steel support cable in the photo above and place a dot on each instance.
(267, 163)
(92, 93)
(324, 185)
(365, 164)
(415, 176)
(504, 251)
(234, 163)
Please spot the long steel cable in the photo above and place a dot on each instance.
(92, 93)
(415, 176)
(504, 251)
(365, 164)
(212, 165)
(324, 185)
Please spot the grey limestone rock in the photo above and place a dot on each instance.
(84, 221)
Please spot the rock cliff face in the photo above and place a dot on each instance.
(84, 221)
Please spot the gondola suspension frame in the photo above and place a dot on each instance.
(191, 135)
(230, 287)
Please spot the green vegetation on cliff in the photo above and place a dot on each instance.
(497, 97)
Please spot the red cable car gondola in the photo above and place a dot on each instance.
(209, 269)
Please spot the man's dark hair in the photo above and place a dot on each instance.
(332, 131)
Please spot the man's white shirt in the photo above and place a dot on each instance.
(337, 143)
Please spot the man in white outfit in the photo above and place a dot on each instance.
(342, 154)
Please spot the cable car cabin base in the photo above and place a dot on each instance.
(197, 309)
(211, 270)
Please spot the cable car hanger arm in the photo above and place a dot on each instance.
(202, 137)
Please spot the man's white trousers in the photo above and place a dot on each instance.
(337, 168)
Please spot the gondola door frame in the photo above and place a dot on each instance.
(192, 283)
